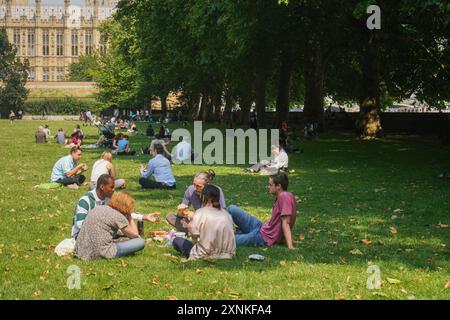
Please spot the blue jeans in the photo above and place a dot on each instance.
(249, 226)
(129, 247)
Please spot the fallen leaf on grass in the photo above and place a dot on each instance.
(356, 252)
(199, 271)
(302, 237)
(447, 285)
(37, 293)
(381, 294)
(168, 286)
(393, 230)
(122, 264)
(442, 226)
(154, 282)
(172, 298)
(366, 242)
(108, 287)
(393, 281)
(282, 263)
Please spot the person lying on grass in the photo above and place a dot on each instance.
(275, 231)
(212, 228)
(96, 237)
(105, 187)
(67, 172)
(193, 195)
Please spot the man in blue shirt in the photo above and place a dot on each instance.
(67, 172)
(160, 168)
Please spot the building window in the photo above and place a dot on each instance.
(31, 44)
(60, 43)
(45, 74)
(88, 43)
(17, 41)
(59, 74)
(45, 43)
(74, 44)
(31, 74)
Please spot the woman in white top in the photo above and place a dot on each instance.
(212, 230)
(104, 166)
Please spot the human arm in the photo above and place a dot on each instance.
(112, 171)
(147, 171)
(144, 217)
(285, 220)
(77, 170)
(131, 229)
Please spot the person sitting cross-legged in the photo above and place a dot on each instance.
(212, 228)
(123, 147)
(67, 172)
(96, 237)
(160, 168)
(105, 166)
(275, 231)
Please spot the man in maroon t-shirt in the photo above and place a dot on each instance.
(275, 231)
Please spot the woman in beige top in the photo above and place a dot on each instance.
(212, 229)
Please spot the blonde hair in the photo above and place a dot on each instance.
(107, 156)
(122, 202)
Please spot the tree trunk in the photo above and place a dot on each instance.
(202, 107)
(284, 85)
(313, 72)
(208, 110)
(227, 112)
(246, 104)
(261, 98)
(163, 98)
(369, 123)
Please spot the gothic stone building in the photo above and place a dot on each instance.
(53, 37)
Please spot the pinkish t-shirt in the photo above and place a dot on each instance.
(272, 230)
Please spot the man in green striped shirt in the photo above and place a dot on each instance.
(99, 197)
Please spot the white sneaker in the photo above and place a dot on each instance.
(73, 186)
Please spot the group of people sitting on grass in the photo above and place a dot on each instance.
(104, 225)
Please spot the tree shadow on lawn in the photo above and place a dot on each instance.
(324, 240)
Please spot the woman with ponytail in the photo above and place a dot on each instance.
(212, 229)
(193, 196)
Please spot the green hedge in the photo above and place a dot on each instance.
(64, 106)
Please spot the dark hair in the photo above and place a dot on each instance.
(211, 193)
(103, 179)
(159, 148)
(280, 179)
(74, 149)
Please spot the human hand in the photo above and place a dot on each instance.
(184, 224)
(150, 218)
(181, 208)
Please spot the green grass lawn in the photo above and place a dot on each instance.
(384, 191)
